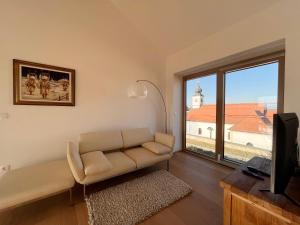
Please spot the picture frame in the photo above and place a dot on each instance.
(42, 84)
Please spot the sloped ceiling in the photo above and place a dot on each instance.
(175, 24)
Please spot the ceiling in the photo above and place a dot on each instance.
(175, 24)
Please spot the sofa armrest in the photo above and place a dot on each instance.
(165, 139)
(75, 162)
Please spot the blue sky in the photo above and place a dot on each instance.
(250, 85)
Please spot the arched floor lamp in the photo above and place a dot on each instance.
(139, 90)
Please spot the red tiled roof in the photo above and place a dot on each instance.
(206, 113)
(246, 117)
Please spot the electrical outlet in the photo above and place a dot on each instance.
(219, 157)
(4, 169)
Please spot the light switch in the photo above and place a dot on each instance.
(4, 116)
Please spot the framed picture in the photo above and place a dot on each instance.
(40, 84)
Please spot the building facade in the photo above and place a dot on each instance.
(248, 124)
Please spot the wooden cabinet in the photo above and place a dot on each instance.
(245, 204)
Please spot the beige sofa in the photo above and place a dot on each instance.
(102, 155)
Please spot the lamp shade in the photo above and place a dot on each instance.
(137, 90)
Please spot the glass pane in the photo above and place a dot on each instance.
(250, 102)
(201, 115)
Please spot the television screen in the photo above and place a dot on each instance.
(285, 148)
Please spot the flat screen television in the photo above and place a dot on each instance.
(285, 150)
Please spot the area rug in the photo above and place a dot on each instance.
(133, 201)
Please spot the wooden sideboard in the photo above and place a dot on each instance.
(245, 204)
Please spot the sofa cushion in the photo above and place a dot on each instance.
(121, 164)
(165, 139)
(95, 162)
(144, 157)
(157, 148)
(136, 137)
(100, 141)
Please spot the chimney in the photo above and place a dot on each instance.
(265, 111)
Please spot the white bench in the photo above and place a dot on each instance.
(32, 183)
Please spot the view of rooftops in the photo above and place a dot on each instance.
(250, 102)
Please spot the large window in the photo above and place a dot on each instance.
(229, 111)
(201, 124)
(250, 102)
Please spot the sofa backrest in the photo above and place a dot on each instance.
(136, 137)
(100, 141)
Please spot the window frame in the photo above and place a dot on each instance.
(184, 81)
(220, 72)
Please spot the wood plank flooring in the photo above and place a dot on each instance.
(203, 206)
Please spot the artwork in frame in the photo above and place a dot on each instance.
(40, 84)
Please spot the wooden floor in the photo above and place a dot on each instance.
(202, 206)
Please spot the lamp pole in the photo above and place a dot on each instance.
(162, 98)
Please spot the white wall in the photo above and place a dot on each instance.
(280, 21)
(192, 127)
(108, 55)
(263, 141)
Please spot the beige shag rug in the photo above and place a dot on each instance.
(134, 201)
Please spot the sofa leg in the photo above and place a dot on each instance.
(71, 196)
(168, 165)
(84, 190)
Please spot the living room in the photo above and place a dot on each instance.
(118, 79)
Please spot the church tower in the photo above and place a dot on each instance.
(197, 99)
